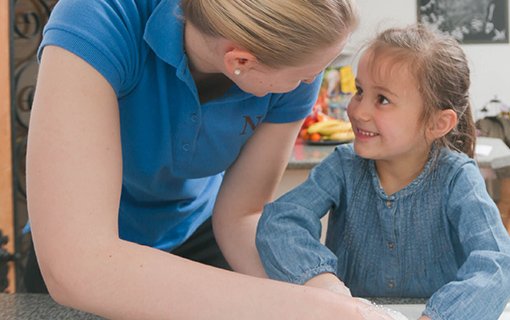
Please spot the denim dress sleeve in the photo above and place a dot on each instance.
(482, 285)
(288, 233)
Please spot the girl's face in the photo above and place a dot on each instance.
(385, 112)
(261, 80)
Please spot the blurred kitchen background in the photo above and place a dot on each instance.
(22, 22)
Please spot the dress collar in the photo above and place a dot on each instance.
(409, 189)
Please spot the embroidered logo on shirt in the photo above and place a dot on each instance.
(248, 122)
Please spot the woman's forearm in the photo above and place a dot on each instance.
(122, 280)
(247, 186)
(237, 238)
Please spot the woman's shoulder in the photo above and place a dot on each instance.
(108, 34)
(117, 14)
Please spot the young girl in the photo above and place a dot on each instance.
(409, 212)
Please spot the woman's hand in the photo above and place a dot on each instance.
(329, 282)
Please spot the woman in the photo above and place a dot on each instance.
(148, 117)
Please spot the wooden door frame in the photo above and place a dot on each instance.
(6, 170)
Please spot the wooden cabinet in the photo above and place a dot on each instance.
(6, 183)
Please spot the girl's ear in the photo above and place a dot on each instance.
(238, 61)
(442, 123)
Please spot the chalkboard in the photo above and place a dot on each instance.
(468, 21)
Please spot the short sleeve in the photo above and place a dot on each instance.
(295, 105)
(107, 34)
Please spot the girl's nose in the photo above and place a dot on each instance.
(358, 110)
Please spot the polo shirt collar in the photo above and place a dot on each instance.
(164, 32)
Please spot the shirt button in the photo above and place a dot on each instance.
(391, 284)
(388, 204)
(391, 245)
(185, 147)
(194, 117)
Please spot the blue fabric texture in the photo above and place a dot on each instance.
(175, 149)
(441, 236)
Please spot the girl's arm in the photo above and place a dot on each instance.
(74, 176)
(482, 285)
(288, 235)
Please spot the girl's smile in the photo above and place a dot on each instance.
(362, 134)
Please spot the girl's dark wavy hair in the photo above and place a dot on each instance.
(441, 69)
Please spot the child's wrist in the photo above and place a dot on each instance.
(330, 282)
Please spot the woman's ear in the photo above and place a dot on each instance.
(442, 123)
(238, 61)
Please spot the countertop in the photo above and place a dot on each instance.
(492, 154)
(28, 306)
(40, 306)
(36, 306)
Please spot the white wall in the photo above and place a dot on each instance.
(490, 63)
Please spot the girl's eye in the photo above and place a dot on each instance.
(359, 91)
(382, 100)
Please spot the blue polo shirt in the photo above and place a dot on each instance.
(174, 148)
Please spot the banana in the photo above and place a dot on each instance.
(318, 126)
(341, 127)
(342, 136)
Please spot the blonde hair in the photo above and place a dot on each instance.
(278, 33)
(441, 70)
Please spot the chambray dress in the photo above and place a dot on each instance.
(440, 237)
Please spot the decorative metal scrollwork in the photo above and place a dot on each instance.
(28, 20)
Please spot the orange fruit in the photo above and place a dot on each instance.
(315, 137)
(303, 134)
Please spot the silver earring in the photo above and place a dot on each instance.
(237, 72)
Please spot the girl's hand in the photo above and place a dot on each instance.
(371, 311)
(329, 282)
(365, 308)
(424, 318)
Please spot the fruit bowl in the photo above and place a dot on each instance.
(326, 142)
(329, 131)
